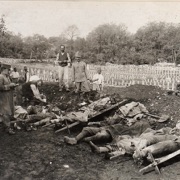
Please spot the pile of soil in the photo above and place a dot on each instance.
(66, 101)
(43, 155)
(136, 92)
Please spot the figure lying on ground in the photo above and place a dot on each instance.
(107, 133)
(148, 141)
(34, 116)
(38, 113)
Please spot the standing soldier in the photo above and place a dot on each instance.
(79, 73)
(6, 98)
(63, 60)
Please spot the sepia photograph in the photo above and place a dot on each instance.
(89, 90)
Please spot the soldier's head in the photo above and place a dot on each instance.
(62, 48)
(15, 70)
(25, 68)
(78, 56)
(5, 69)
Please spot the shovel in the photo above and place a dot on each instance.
(161, 118)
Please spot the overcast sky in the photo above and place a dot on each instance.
(51, 18)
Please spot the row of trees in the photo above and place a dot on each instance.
(106, 43)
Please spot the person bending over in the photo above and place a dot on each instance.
(31, 92)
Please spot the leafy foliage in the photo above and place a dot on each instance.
(154, 42)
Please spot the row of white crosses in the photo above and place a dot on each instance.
(120, 75)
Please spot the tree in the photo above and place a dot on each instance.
(156, 40)
(2, 26)
(56, 42)
(71, 33)
(110, 40)
(3, 37)
(37, 46)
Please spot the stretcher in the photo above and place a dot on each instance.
(94, 116)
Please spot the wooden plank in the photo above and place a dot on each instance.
(158, 161)
(70, 126)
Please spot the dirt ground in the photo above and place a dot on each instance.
(43, 155)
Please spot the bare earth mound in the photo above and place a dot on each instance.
(42, 154)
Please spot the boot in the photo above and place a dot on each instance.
(16, 126)
(71, 141)
(94, 148)
(115, 154)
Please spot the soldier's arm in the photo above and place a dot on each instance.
(73, 73)
(27, 77)
(85, 70)
(69, 59)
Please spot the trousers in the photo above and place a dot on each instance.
(63, 76)
(84, 84)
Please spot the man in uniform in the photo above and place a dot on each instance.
(79, 74)
(6, 98)
(63, 60)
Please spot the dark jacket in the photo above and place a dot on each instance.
(63, 59)
(27, 91)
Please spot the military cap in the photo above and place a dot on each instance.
(78, 54)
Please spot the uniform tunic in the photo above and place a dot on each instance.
(6, 97)
(80, 76)
(79, 72)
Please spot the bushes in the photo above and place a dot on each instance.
(106, 43)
